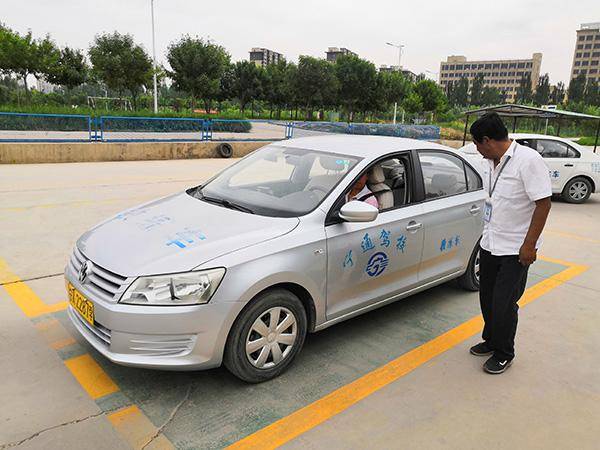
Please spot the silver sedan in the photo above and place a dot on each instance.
(295, 237)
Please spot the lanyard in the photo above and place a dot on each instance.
(493, 188)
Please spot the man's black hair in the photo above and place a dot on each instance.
(489, 125)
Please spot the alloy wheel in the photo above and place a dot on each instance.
(578, 190)
(271, 337)
(476, 266)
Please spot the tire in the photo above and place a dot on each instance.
(249, 366)
(225, 150)
(577, 190)
(470, 279)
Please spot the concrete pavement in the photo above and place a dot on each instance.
(57, 392)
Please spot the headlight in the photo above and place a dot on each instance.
(190, 288)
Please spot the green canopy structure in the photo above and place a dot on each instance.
(521, 111)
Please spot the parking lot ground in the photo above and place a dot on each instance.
(398, 377)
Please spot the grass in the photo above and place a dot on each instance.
(587, 140)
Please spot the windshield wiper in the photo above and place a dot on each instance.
(227, 204)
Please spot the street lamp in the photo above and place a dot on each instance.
(399, 47)
(154, 60)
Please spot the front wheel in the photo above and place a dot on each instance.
(266, 337)
(577, 190)
(470, 279)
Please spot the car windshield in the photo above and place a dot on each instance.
(278, 181)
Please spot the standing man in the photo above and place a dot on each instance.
(515, 212)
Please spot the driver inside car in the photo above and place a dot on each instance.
(361, 192)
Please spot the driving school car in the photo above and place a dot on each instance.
(574, 170)
(238, 270)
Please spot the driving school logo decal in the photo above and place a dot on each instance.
(377, 264)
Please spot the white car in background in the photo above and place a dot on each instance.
(573, 169)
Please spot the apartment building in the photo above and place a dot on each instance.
(333, 53)
(503, 74)
(407, 73)
(586, 57)
(264, 56)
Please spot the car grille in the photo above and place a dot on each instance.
(101, 282)
(101, 333)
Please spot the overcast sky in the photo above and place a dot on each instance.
(430, 30)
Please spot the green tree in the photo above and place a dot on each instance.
(477, 90)
(396, 88)
(542, 91)
(197, 67)
(315, 84)
(577, 89)
(275, 89)
(431, 95)
(461, 92)
(490, 96)
(557, 95)
(357, 83)
(413, 103)
(246, 86)
(24, 56)
(524, 94)
(120, 64)
(70, 69)
(592, 94)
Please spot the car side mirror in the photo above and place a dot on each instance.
(356, 211)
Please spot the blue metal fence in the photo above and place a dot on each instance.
(23, 127)
(149, 129)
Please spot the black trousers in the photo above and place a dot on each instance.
(502, 282)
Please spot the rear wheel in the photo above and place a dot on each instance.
(266, 337)
(470, 279)
(577, 190)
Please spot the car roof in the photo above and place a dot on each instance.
(361, 146)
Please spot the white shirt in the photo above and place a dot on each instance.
(523, 181)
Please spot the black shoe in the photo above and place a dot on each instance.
(495, 365)
(481, 349)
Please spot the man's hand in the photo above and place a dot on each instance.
(527, 254)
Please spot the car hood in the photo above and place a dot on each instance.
(175, 234)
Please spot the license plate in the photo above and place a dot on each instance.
(81, 304)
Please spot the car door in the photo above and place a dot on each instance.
(452, 213)
(562, 161)
(372, 261)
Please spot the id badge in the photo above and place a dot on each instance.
(487, 211)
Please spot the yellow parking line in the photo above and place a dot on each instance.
(24, 297)
(132, 424)
(90, 376)
(137, 430)
(299, 422)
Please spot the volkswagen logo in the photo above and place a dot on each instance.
(85, 270)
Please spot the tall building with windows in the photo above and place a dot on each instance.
(333, 53)
(263, 56)
(503, 74)
(586, 57)
(407, 73)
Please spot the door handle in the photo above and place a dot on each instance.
(568, 165)
(474, 209)
(413, 226)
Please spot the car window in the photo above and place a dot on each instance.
(552, 149)
(474, 181)
(279, 181)
(443, 174)
(572, 153)
(385, 184)
(532, 143)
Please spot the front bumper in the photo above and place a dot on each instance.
(156, 337)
